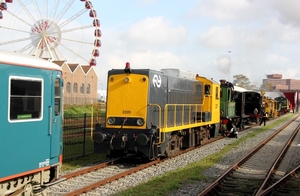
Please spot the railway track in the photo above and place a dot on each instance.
(88, 179)
(288, 185)
(85, 180)
(255, 172)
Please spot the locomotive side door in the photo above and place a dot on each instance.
(56, 115)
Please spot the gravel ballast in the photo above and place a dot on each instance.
(190, 157)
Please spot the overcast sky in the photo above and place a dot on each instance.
(196, 35)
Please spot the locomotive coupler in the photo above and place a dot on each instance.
(124, 140)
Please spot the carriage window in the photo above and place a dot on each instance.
(217, 92)
(25, 98)
(57, 97)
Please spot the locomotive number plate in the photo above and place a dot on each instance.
(126, 112)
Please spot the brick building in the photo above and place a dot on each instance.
(282, 84)
(80, 83)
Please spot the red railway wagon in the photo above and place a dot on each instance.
(293, 97)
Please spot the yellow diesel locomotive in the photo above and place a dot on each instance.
(157, 113)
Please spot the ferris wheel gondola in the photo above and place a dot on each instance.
(57, 30)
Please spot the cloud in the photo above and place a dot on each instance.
(276, 59)
(255, 41)
(288, 11)
(289, 73)
(222, 64)
(194, 36)
(290, 34)
(217, 37)
(229, 10)
(154, 32)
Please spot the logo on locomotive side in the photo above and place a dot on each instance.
(156, 81)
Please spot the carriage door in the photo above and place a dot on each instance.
(56, 115)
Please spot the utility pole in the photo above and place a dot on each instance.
(229, 66)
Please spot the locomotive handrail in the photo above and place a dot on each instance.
(159, 112)
(159, 123)
(182, 113)
(50, 120)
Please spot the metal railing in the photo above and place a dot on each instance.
(76, 135)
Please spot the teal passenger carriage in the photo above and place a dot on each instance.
(31, 123)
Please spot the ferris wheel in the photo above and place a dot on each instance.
(56, 30)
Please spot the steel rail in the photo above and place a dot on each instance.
(275, 165)
(292, 176)
(243, 160)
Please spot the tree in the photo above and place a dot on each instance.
(266, 87)
(241, 81)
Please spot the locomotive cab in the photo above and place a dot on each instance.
(228, 115)
(129, 128)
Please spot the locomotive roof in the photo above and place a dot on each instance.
(183, 74)
(8, 57)
(252, 92)
(178, 73)
(239, 89)
(274, 94)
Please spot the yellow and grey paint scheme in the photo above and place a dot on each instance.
(151, 113)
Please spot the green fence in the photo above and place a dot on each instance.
(77, 135)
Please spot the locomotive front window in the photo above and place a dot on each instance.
(25, 98)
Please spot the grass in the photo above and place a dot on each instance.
(172, 180)
(74, 146)
(75, 109)
(88, 160)
(73, 117)
(193, 172)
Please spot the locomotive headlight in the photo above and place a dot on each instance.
(111, 120)
(127, 79)
(140, 122)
